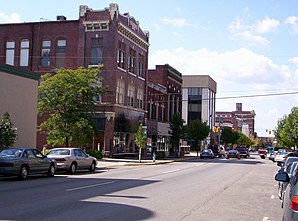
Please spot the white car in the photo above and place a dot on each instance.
(72, 159)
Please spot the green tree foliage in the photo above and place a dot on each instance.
(67, 98)
(140, 139)
(287, 130)
(244, 139)
(229, 137)
(198, 130)
(8, 134)
(176, 130)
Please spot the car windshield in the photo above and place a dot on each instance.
(59, 152)
(11, 153)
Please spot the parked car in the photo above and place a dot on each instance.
(207, 153)
(281, 157)
(272, 156)
(23, 162)
(72, 159)
(289, 169)
(243, 151)
(290, 196)
(233, 154)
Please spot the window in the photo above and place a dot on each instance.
(131, 60)
(120, 91)
(140, 98)
(121, 55)
(45, 53)
(24, 54)
(10, 45)
(131, 94)
(141, 66)
(60, 53)
(96, 51)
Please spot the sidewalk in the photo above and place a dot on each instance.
(112, 162)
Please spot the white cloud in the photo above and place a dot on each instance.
(12, 18)
(266, 25)
(252, 33)
(293, 21)
(237, 73)
(178, 22)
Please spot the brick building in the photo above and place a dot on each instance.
(238, 120)
(97, 37)
(164, 99)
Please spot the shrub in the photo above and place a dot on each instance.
(95, 153)
(160, 154)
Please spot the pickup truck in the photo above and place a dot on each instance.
(262, 151)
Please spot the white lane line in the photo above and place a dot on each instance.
(172, 171)
(265, 219)
(89, 186)
(272, 196)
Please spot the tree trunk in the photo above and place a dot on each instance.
(140, 153)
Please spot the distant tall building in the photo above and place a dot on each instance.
(239, 120)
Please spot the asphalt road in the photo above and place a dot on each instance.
(196, 190)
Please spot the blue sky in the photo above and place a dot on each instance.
(247, 47)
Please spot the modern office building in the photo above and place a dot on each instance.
(198, 100)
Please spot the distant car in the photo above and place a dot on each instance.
(72, 159)
(23, 162)
(208, 153)
(262, 151)
(233, 154)
(290, 196)
(243, 151)
(281, 157)
(273, 155)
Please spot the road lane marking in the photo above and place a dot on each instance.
(272, 196)
(89, 186)
(171, 171)
(265, 219)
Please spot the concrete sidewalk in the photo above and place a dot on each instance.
(113, 162)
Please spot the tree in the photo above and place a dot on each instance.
(244, 139)
(176, 130)
(67, 98)
(287, 129)
(8, 134)
(229, 137)
(140, 139)
(198, 131)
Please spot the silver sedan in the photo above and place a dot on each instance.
(72, 159)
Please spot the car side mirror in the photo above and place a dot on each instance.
(282, 177)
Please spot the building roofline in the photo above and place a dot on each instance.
(19, 72)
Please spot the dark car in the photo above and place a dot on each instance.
(290, 196)
(233, 154)
(23, 162)
(243, 151)
(208, 153)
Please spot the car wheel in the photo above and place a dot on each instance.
(23, 173)
(51, 171)
(73, 168)
(92, 167)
